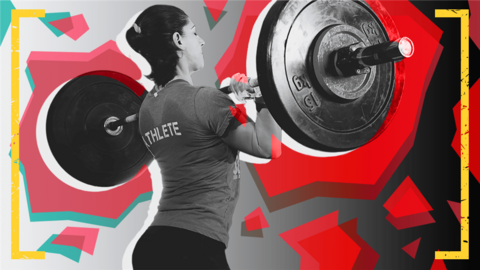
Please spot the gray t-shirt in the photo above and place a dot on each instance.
(182, 125)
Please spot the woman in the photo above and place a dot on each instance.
(195, 138)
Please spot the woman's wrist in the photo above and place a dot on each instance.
(260, 104)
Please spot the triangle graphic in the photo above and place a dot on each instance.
(215, 7)
(211, 21)
(438, 265)
(409, 204)
(50, 17)
(456, 209)
(411, 249)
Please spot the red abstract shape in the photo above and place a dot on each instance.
(474, 130)
(295, 235)
(81, 238)
(367, 258)
(438, 265)
(410, 221)
(332, 249)
(322, 244)
(456, 209)
(256, 220)
(215, 7)
(411, 249)
(240, 113)
(70, 240)
(47, 193)
(74, 27)
(407, 200)
(370, 166)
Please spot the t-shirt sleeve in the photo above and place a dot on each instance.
(215, 110)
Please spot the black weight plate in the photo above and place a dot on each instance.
(76, 133)
(306, 113)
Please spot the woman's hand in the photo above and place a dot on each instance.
(240, 87)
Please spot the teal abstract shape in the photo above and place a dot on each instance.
(79, 217)
(5, 17)
(217, 84)
(70, 252)
(211, 21)
(50, 17)
(30, 79)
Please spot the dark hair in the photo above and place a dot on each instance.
(153, 39)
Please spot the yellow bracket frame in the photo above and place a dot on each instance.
(15, 195)
(463, 254)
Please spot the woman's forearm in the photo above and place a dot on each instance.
(265, 129)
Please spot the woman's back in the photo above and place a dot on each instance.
(182, 125)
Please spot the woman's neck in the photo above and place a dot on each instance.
(183, 72)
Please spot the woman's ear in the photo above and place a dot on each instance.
(177, 39)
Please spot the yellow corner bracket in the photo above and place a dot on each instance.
(463, 254)
(15, 195)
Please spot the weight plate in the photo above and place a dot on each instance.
(300, 101)
(76, 133)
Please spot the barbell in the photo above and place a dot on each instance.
(325, 69)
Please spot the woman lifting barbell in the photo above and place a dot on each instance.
(195, 137)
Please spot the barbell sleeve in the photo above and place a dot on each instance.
(121, 122)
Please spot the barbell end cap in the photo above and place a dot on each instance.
(405, 46)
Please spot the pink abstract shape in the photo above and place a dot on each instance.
(215, 7)
(410, 221)
(456, 209)
(71, 236)
(407, 200)
(256, 220)
(74, 26)
(474, 127)
(77, 241)
(48, 193)
(411, 249)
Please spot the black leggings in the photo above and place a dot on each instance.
(164, 247)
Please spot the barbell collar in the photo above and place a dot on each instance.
(355, 59)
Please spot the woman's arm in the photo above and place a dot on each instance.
(256, 138)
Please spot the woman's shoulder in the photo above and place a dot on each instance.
(207, 93)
